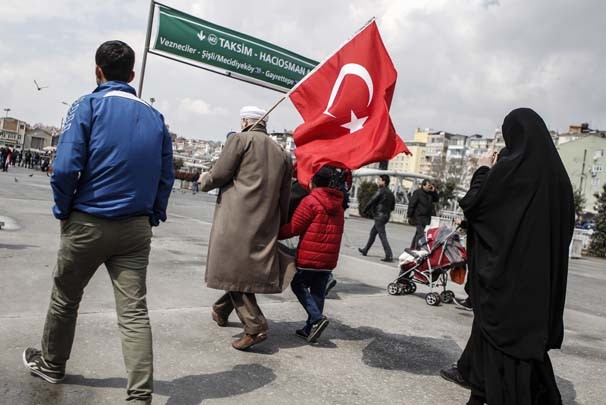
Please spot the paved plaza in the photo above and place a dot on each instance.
(378, 349)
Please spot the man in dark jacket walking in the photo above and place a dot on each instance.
(420, 209)
(381, 205)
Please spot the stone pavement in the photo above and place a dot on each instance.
(377, 349)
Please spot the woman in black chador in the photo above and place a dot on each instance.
(520, 215)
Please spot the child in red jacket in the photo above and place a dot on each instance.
(318, 220)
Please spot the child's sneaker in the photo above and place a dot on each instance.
(330, 286)
(33, 360)
(317, 329)
(302, 333)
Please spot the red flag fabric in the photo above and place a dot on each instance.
(345, 107)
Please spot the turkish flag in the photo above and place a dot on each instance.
(345, 105)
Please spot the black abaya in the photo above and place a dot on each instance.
(499, 379)
(521, 218)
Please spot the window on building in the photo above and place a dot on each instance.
(37, 143)
(598, 154)
(595, 182)
(597, 167)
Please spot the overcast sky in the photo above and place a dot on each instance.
(462, 64)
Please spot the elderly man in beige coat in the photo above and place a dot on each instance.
(253, 174)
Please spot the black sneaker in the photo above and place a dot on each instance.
(453, 374)
(331, 285)
(463, 304)
(33, 360)
(387, 259)
(317, 329)
(362, 251)
(302, 333)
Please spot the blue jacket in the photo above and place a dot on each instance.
(114, 158)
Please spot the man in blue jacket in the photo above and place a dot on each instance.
(112, 177)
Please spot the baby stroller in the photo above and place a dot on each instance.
(440, 251)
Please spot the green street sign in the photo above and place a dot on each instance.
(192, 38)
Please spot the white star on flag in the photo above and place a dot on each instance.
(355, 124)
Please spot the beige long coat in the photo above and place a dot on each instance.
(254, 176)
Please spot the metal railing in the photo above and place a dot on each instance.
(581, 238)
(398, 215)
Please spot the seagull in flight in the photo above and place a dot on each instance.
(38, 86)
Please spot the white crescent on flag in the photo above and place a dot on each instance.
(350, 69)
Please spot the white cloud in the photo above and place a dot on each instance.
(200, 107)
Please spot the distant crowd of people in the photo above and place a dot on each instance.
(25, 158)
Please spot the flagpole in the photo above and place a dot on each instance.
(268, 111)
(150, 20)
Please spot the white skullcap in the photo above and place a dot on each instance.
(252, 112)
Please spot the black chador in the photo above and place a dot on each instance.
(521, 218)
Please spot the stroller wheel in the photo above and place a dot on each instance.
(408, 287)
(447, 296)
(432, 299)
(413, 287)
(393, 289)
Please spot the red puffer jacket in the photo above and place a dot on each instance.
(319, 221)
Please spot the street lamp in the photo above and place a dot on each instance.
(61, 128)
(7, 110)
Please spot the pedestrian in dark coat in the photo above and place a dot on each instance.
(380, 205)
(194, 182)
(421, 208)
(3, 156)
(7, 160)
(466, 302)
(28, 160)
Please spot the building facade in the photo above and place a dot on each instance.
(286, 140)
(445, 154)
(585, 162)
(37, 138)
(404, 163)
(12, 133)
(442, 154)
(574, 132)
(498, 142)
